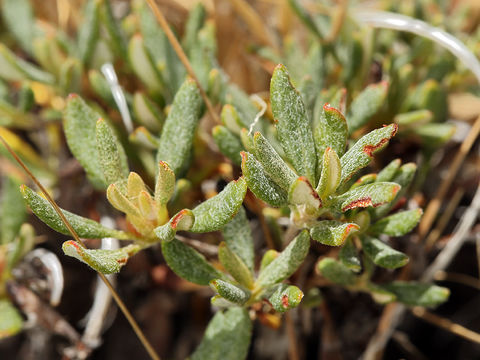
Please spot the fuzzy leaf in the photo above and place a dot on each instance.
(141, 136)
(188, 263)
(120, 201)
(13, 68)
(332, 232)
(349, 257)
(336, 272)
(330, 175)
(177, 135)
(244, 107)
(287, 261)
(330, 131)
(214, 213)
(143, 65)
(293, 125)
(260, 184)
(302, 193)
(382, 254)
(227, 336)
(272, 163)
(165, 185)
(229, 291)
(397, 224)
(367, 195)
(23, 243)
(238, 236)
(17, 15)
(418, 294)
(103, 261)
(364, 180)
(12, 210)
(195, 21)
(79, 126)
(366, 104)
(182, 221)
(11, 321)
(111, 154)
(229, 144)
(388, 172)
(84, 227)
(116, 37)
(362, 152)
(285, 297)
(89, 31)
(235, 266)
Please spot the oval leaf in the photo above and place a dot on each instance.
(330, 131)
(418, 294)
(397, 224)
(229, 144)
(235, 266)
(229, 291)
(333, 233)
(286, 297)
(367, 195)
(11, 321)
(382, 254)
(330, 175)
(336, 272)
(182, 221)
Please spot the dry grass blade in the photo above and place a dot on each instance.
(118, 300)
(446, 324)
(182, 56)
(434, 205)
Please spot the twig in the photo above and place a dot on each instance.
(446, 324)
(434, 205)
(207, 249)
(444, 219)
(292, 338)
(458, 278)
(182, 56)
(148, 347)
(402, 339)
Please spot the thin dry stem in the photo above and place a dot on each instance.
(434, 205)
(148, 347)
(446, 324)
(292, 338)
(182, 56)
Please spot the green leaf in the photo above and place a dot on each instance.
(362, 152)
(366, 104)
(85, 228)
(165, 184)
(182, 221)
(179, 128)
(413, 119)
(305, 17)
(260, 183)
(293, 125)
(397, 224)
(244, 107)
(13, 68)
(23, 243)
(214, 213)
(100, 86)
(332, 232)
(89, 31)
(382, 254)
(230, 119)
(287, 262)
(388, 172)
(285, 297)
(141, 136)
(70, 74)
(17, 15)
(380, 294)
(235, 266)
(267, 258)
(143, 65)
(238, 236)
(188, 263)
(367, 195)
(418, 294)
(301, 193)
(116, 38)
(330, 175)
(330, 131)
(272, 163)
(227, 336)
(364, 180)
(349, 257)
(12, 210)
(119, 200)
(147, 113)
(11, 321)
(103, 261)
(229, 291)
(435, 134)
(111, 154)
(336, 272)
(79, 126)
(195, 21)
(229, 144)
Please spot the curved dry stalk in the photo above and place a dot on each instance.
(148, 347)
